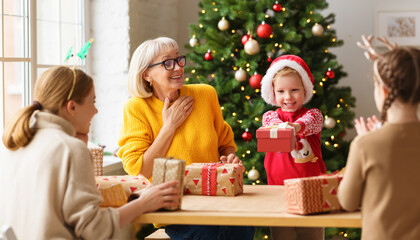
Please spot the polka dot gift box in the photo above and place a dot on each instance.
(166, 170)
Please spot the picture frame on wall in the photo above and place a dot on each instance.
(401, 27)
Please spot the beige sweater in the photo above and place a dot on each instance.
(48, 189)
(383, 177)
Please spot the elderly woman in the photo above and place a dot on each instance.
(165, 118)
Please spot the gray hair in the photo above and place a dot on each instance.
(142, 58)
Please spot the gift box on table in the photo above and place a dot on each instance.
(166, 170)
(312, 194)
(128, 183)
(97, 154)
(276, 138)
(221, 179)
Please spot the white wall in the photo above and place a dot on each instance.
(120, 26)
(354, 18)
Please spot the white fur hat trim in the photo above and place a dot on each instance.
(291, 61)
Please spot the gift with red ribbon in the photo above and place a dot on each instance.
(276, 138)
(312, 194)
(214, 179)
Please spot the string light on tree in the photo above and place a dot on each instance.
(240, 75)
(253, 174)
(255, 80)
(264, 30)
(252, 47)
(208, 56)
(223, 24)
(317, 30)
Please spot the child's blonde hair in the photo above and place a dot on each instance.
(52, 91)
(142, 58)
(399, 70)
(285, 71)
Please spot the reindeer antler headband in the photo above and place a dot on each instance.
(372, 54)
(82, 55)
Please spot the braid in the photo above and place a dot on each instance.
(392, 86)
(387, 103)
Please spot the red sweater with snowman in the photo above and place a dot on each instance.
(307, 160)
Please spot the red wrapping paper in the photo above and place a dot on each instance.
(275, 139)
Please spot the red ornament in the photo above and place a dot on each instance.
(269, 59)
(342, 134)
(255, 81)
(245, 39)
(208, 56)
(330, 74)
(247, 136)
(264, 30)
(277, 7)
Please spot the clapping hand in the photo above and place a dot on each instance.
(363, 126)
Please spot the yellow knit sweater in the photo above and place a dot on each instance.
(199, 139)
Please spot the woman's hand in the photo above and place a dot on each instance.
(173, 116)
(159, 196)
(231, 158)
(363, 127)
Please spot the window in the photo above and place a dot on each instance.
(35, 35)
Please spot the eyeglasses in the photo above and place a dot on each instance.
(169, 64)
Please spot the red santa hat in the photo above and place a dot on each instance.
(291, 61)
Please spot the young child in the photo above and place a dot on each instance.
(47, 180)
(382, 173)
(288, 84)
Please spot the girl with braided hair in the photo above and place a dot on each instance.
(382, 168)
(46, 178)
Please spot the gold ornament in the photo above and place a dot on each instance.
(253, 174)
(223, 24)
(329, 123)
(252, 47)
(240, 75)
(193, 41)
(317, 30)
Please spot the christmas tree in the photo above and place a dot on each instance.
(233, 45)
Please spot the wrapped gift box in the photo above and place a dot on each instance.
(128, 183)
(276, 138)
(166, 170)
(97, 154)
(114, 196)
(312, 194)
(214, 179)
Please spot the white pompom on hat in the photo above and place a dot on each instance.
(291, 61)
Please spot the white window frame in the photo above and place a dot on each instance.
(31, 70)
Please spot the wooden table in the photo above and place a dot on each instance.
(259, 205)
